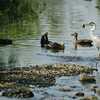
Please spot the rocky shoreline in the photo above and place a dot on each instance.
(16, 82)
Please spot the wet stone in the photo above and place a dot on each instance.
(19, 93)
(80, 94)
(65, 88)
(87, 78)
(98, 91)
(94, 87)
(90, 98)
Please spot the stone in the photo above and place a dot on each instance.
(94, 87)
(98, 91)
(87, 78)
(65, 88)
(80, 94)
(89, 98)
(19, 93)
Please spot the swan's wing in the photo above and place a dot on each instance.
(98, 37)
(96, 40)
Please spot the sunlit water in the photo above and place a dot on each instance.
(60, 19)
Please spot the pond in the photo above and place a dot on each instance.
(60, 19)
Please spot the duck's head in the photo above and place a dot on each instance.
(46, 33)
(75, 35)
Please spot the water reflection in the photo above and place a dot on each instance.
(12, 59)
(53, 20)
(21, 30)
(8, 57)
(98, 4)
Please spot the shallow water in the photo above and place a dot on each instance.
(61, 18)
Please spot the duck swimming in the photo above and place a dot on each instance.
(82, 42)
(49, 44)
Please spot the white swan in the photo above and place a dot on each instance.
(94, 37)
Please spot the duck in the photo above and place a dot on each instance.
(6, 41)
(82, 42)
(45, 43)
(55, 46)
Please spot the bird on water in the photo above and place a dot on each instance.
(95, 38)
(82, 42)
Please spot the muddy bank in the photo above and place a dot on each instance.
(39, 75)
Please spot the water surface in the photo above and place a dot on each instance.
(60, 19)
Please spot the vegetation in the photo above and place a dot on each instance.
(18, 10)
(19, 16)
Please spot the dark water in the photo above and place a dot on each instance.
(60, 18)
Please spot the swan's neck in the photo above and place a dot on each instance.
(76, 37)
(93, 36)
(92, 33)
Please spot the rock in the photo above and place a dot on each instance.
(74, 97)
(98, 91)
(94, 87)
(5, 41)
(87, 78)
(80, 94)
(42, 75)
(20, 93)
(65, 88)
(90, 98)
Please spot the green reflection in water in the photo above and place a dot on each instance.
(19, 18)
(19, 30)
(98, 4)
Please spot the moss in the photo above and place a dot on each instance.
(87, 78)
(43, 75)
(90, 98)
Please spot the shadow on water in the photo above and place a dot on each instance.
(66, 59)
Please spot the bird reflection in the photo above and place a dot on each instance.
(12, 59)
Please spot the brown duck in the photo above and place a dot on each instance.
(82, 42)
